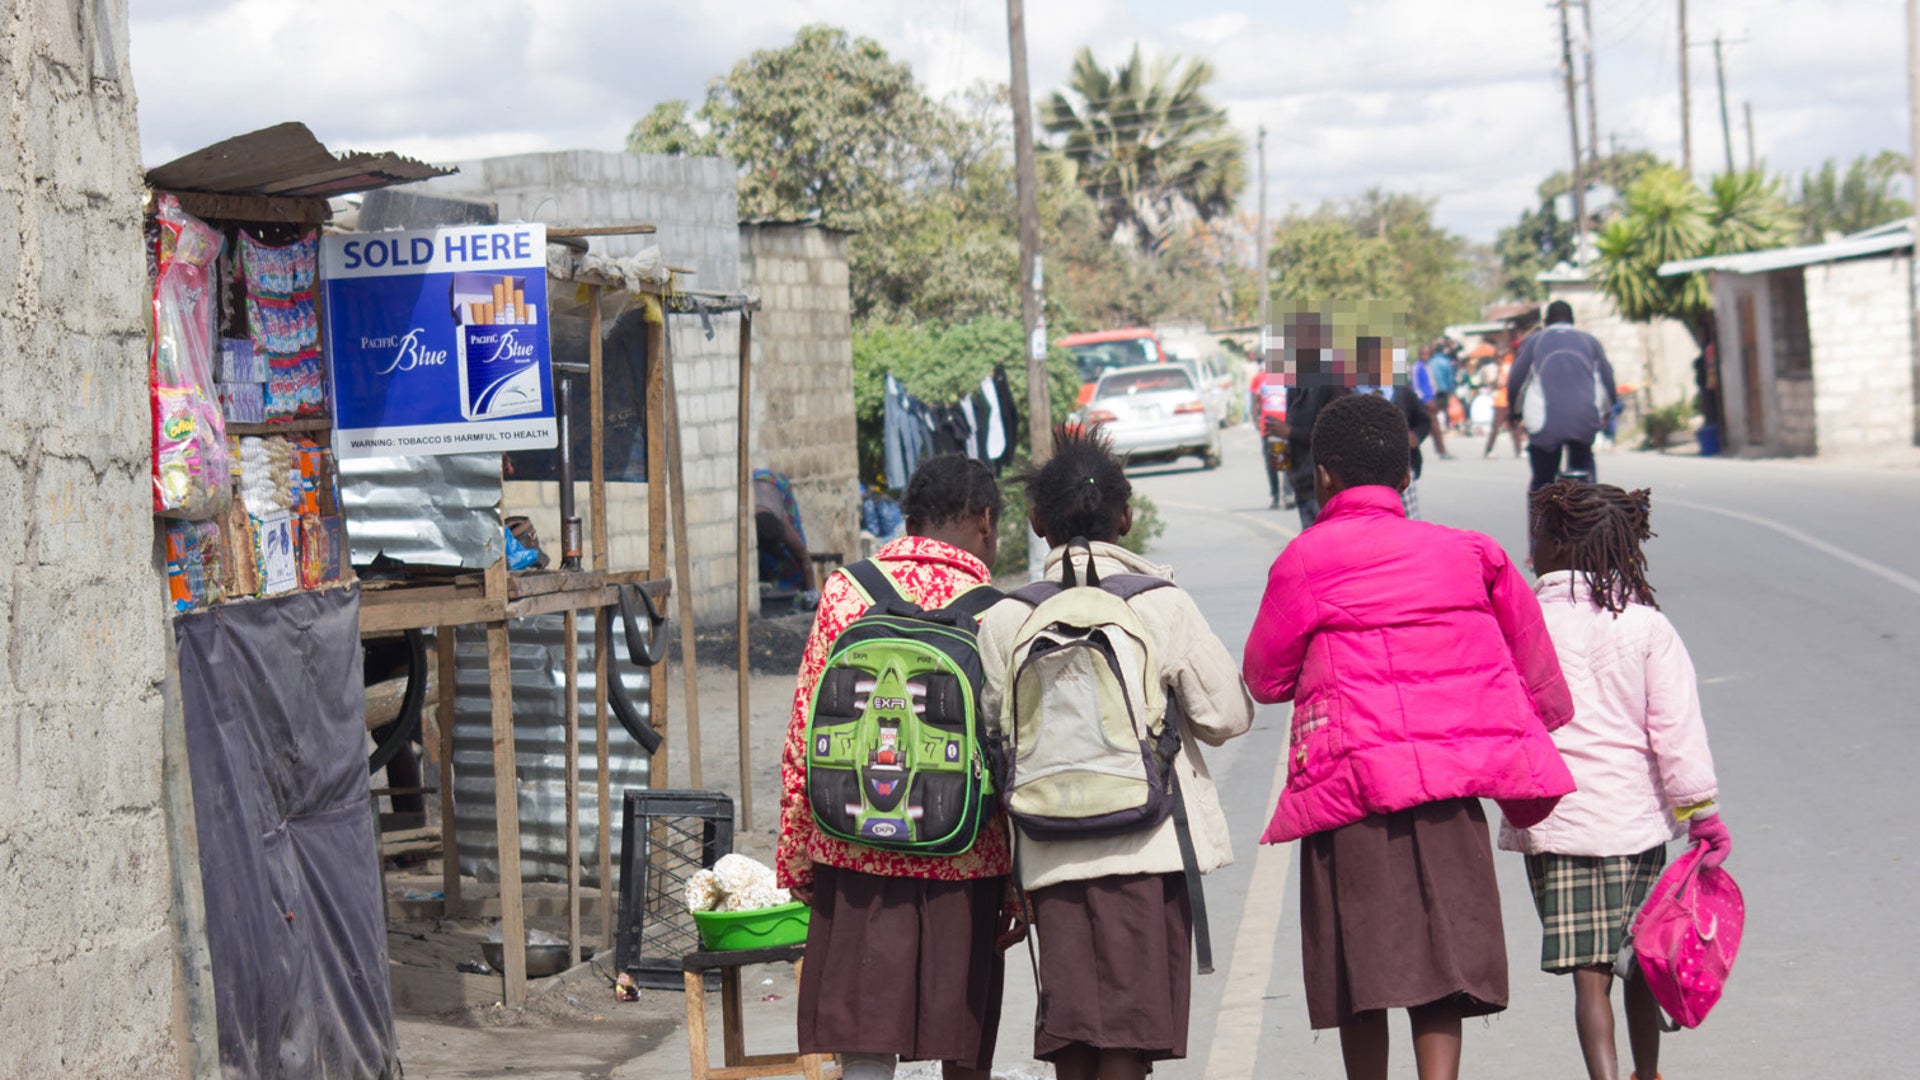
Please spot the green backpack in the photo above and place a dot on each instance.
(896, 747)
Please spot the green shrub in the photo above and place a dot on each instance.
(1660, 425)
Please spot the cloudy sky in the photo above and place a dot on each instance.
(1460, 101)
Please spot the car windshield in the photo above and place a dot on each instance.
(1170, 377)
(1097, 359)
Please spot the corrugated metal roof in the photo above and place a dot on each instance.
(286, 160)
(1873, 242)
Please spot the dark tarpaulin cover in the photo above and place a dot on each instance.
(276, 740)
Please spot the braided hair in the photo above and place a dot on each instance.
(1602, 528)
(1082, 490)
(947, 487)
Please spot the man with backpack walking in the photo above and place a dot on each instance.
(1561, 390)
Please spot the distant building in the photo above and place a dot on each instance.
(1815, 343)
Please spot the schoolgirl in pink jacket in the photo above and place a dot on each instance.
(1423, 680)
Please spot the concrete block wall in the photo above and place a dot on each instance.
(692, 203)
(803, 374)
(87, 976)
(1858, 320)
(1799, 428)
(1658, 355)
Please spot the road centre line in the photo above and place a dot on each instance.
(1243, 1005)
(1832, 551)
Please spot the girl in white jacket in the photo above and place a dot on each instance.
(1637, 747)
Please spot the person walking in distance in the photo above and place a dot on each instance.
(1270, 412)
(1494, 374)
(1562, 387)
(1446, 378)
(1637, 747)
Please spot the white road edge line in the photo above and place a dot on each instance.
(1243, 1006)
(1832, 551)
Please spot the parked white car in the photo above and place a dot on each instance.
(1154, 413)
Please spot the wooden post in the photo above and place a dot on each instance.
(682, 571)
(742, 575)
(572, 713)
(1578, 175)
(194, 1009)
(443, 645)
(506, 800)
(1686, 107)
(602, 629)
(657, 524)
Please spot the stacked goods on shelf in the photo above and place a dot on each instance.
(285, 325)
(242, 375)
(281, 533)
(189, 434)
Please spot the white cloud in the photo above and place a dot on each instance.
(1456, 101)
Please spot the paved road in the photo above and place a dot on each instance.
(1797, 589)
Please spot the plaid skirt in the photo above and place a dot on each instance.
(1586, 903)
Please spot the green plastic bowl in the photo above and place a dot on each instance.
(767, 928)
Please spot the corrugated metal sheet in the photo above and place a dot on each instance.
(442, 510)
(286, 160)
(538, 657)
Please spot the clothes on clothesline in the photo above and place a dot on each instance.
(980, 425)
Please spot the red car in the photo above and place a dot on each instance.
(1101, 351)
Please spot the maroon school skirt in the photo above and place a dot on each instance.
(1402, 909)
(902, 966)
(1115, 965)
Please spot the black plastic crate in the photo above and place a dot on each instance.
(667, 837)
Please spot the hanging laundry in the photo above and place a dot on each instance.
(995, 446)
(906, 434)
(1009, 413)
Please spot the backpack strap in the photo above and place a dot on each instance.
(882, 591)
(1128, 586)
(974, 602)
(1037, 593)
(1196, 892)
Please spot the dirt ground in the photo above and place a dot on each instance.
(572, 1027)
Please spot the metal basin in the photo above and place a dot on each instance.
(542, 960)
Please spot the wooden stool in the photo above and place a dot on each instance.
(739, 1063)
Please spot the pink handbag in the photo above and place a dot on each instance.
(1686, 936)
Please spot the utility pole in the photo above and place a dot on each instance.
(1039, 404)
(1593, 122)
(1686, 110)
(1720, 72)
(1753, 156)
(1266, 286)
(1573, 128)
(1913, 153)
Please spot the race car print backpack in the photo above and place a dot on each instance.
(896, 751)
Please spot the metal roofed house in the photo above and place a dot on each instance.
(1815, 343)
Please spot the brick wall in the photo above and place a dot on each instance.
(803, 374)
(1658, 355)
(1799, 431)
(1857, 319)
(692, 202)
(87, 976)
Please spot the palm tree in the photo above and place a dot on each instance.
(1667, 219)
(1149, 147)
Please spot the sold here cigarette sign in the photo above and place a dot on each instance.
(438, 340)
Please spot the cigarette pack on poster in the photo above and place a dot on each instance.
(322, 545)
(278, 542)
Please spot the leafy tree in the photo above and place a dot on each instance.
(1381, 246)
(1862, 198)
(1667, 218)
(1150, 148)
(831, 128)
(668, 128)
(1542, 239)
